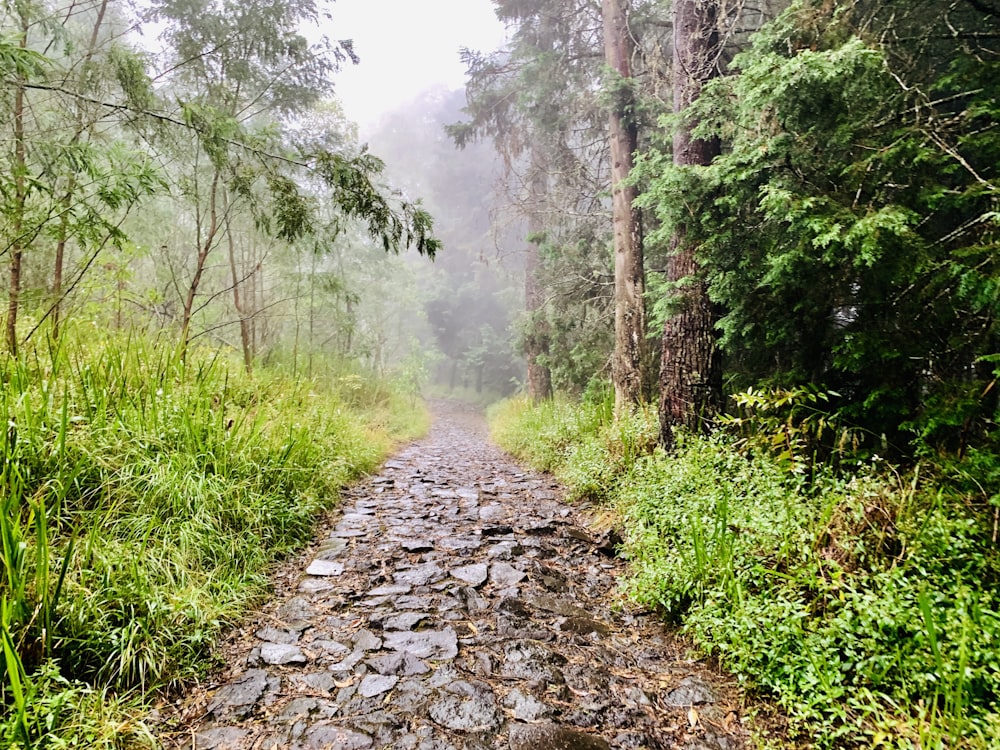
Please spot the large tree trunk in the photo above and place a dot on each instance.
(536, 346)
(690, 372)
(630, 312)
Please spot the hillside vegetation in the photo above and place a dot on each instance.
(861, 599)
(144, 498)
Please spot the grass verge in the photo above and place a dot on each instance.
(864, 604)
(142, 501)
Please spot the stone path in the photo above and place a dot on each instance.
(457, 603)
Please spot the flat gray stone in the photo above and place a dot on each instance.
(331, 548)
(278, 635)
(296, 613)
(400, 663)
(553, 737)
(221, 738)
(691, 691)
(425, 644)
(466, 707)
(366, 640)
(404, 620)
(532, 660)
(327, 737)
(238, 696)
(321, 567)
(505, 574)
(421, 575)
(390, 589)
(417, 545)
(282, 653)
(474, 575)
(314, 585)
(525, 706)
(376, 684)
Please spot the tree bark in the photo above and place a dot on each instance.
(630, 311)
(690, 371)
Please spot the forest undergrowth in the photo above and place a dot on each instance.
(143, 498)
(856, 597)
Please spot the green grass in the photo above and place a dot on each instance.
(142, 501)
(864, 605)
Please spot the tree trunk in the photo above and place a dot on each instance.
(536, 346)
(630, 312)
(20, 203)
(690, 371)
(63, 232)
(203, 251)
(239, 304)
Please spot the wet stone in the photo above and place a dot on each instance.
(691, 691)
(421, 575)
(332, 548)
(505, 574)
(525, 706)
(366, 640)
(417, 545)
(426, 644)
(531, 660)
(466, 707)
(281, 653)
(324, 737)
(376, 684)
(328, 647)
(278, 635)
(391, 589)
(404, 621)
(316, 585)
(457, 605)
(474, 575)
(400, 663)
(553, 737)
(296, 613)
(239, 696)
(321, 567)
(221, 738)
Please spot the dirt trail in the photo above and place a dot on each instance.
(455, 602)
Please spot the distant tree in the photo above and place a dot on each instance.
(630, 311)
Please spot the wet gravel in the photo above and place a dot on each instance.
(455, 602)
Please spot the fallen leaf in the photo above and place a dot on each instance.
(692, 717)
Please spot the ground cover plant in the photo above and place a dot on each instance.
(863, 601)
(142, 498)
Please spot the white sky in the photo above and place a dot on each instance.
(406, 47)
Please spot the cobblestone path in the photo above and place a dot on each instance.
(456, 603)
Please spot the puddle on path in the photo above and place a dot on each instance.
(455, 603)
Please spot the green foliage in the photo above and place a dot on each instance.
(796, 427)
(848, 231)
(143, 498)
(865, 605)
(580, 443)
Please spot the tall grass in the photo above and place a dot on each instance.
(864, 605)
(142, 499)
